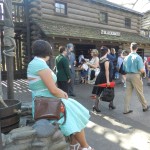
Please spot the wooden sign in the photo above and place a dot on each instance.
(108, 32)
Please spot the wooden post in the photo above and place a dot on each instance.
(28, 29)
(10, 76)
(9, 44)
(0, 136)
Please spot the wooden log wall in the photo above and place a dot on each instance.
(146, 21)
(35, 13)
(146, 48)
(88, 14)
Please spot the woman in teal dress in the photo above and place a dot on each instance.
(42, 82)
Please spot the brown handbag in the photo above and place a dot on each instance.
(48, 108)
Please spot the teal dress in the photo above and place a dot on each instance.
(77, 116)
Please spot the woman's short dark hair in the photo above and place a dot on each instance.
(62, 49)
(103, 50)
(41, 48)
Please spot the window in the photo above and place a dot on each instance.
(127, 23)
(61, 8)
(103, 17)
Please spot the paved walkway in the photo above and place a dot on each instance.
(110, 129)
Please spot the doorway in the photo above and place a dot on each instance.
(115, 47)
(140, 51)
(85, 49)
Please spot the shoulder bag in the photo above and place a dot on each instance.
(107, 94)
(49, 108)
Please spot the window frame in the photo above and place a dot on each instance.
(65, 8)
(106, 17)
(127, 23)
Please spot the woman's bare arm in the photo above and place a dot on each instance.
(46, 76)
(95, 65)
(107, 72)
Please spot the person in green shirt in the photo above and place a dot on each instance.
(62, 69)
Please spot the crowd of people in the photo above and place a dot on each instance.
(102, 68)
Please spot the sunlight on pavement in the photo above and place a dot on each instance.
(115, 123)
(19, 86)
(133, 139)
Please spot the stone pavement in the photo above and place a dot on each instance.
(110, 129)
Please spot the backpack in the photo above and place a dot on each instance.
(121, 71)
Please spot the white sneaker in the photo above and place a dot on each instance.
(124, 85)
(91, 82)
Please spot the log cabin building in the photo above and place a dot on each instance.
(145, 25)
(87, 24)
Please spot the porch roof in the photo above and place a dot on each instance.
(58, 29)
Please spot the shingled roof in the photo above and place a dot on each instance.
(58, 29)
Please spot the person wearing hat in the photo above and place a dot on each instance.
(72, 63)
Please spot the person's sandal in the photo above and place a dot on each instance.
(89, 148)
(93, 96)
(75, 147)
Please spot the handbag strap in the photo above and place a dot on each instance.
(64, 113)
